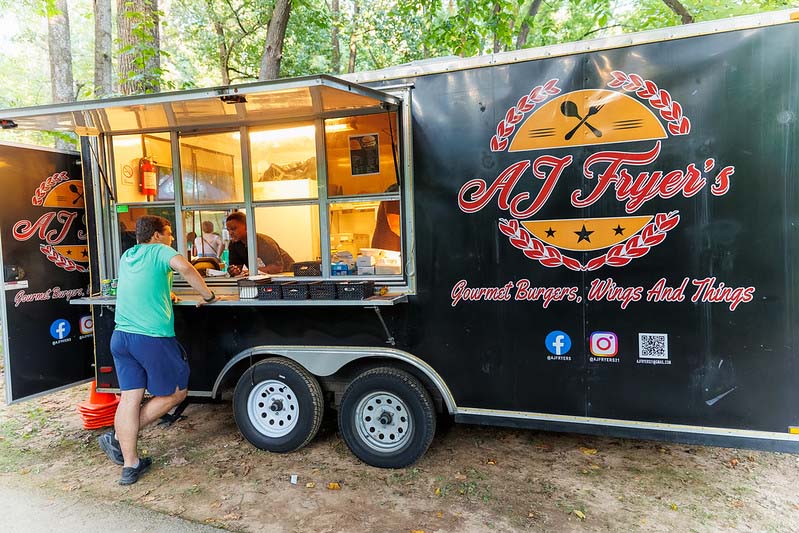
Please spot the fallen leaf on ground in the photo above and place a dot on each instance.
(437, 492)
(333, 485)
(417, 530)
(232, 516)
(310, 485)
(460, 477)
(588, 451)
(673, 506)
(491, 462)
(439, 515)
(579, 514)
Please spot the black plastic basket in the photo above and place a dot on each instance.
(355, 290)
(294, 291)
(270, 291)
(308, 268)
(322, 290)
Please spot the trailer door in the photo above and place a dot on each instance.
(47, 343)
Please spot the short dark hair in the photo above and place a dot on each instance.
(238, 216)
(147, 225)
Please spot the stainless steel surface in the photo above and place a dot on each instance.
(189, 300)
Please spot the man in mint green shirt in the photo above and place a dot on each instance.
(147, 356)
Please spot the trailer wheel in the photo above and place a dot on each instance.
(387, 418)
(278, 405)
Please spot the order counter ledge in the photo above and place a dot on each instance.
(228, 300)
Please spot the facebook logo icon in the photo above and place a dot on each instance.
(59, 329)
(558, 343)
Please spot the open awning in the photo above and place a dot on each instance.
(290, 99)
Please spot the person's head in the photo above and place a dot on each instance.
(151, 229)
(236, 224)
(208, 226)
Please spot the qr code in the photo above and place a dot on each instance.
(653, 346)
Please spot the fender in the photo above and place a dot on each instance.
(327, 360)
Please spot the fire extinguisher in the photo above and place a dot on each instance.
(148, 182)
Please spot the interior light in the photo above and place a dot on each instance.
(283, 134)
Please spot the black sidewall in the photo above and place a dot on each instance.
(417, 444)
(274, 371)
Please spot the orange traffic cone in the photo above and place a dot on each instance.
(99, 411)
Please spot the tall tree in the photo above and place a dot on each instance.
(524, 28)
(60, 49)
(59, 46)
(335, 56)
(103, 67)
(356, 8)
(139, 53)
(677, 7)
(275, 35)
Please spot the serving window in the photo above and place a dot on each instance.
(323, 193)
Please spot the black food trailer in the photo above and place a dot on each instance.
(596, 237)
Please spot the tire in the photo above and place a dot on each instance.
(278, 405)
(387, 418)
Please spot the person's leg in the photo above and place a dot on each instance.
(157, 406)
(126, 424)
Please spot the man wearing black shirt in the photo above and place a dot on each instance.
(275, 259)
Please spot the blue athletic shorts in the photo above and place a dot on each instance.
(157, 364)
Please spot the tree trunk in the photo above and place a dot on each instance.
(59, 46)
(335, 61)
(678, 8)
(139, 55)
(275, 33)
(153, 63)
(524, 29)
(221, 42)
(497, 11)
(103, 68)
(353, 45)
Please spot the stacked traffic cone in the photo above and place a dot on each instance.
(99, 411)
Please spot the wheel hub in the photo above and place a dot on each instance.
(383, 421)
(273, 408)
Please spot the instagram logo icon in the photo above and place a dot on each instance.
(604, 344)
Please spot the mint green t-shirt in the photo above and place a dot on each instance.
(144, 305)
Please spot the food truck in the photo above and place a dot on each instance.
(594, 237)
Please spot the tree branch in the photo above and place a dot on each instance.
(678, 8)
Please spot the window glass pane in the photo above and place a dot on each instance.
(127, 223)
(205, 233)
(360, 156)
(287, 235)
(211, 168)
(283, 162)
(143, 167)
(369, 229)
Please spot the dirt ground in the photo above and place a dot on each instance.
(472, 478)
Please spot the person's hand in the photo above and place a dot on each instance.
(201, 302)
(174, 297)
(234, 270)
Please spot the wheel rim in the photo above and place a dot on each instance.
(383, 421)
(273, 409)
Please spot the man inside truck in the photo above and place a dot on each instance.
(147, 355)
(274, 258)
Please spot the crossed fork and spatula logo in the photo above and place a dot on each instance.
(569, 109)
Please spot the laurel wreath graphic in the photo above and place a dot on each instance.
(60, 261)
(659, 99)
(636, 246)
(46, 186)
(515, 114)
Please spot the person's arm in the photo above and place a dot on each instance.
(269, 252)
(190, 274)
